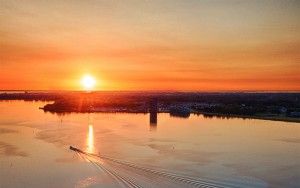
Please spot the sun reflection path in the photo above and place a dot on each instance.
(90, 140)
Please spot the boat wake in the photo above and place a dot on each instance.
(127, 174)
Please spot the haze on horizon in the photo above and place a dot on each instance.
(150, 45)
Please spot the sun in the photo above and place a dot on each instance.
(88, 82)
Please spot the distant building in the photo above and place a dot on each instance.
(295, 114)
(153, 107)
(283, 110)
(180, 111)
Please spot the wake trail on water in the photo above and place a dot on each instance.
(128, 174)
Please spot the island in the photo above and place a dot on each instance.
(258, 105)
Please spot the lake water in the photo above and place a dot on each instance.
(34, 150)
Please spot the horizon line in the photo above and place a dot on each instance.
(150, 91)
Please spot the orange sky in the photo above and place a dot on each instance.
(150, 45)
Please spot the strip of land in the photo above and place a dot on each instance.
(268, 106)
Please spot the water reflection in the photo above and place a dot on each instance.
(153, 109)
(211, 147)
(90, 140)
(153, 121)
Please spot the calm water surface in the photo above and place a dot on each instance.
(34, 148)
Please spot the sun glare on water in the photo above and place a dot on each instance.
(88, 82)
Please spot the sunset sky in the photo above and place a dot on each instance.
(150, 45)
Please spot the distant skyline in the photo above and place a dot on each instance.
(201, 45)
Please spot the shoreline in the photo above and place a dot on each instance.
(204, 114)
(270, 118)
(264, 106)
